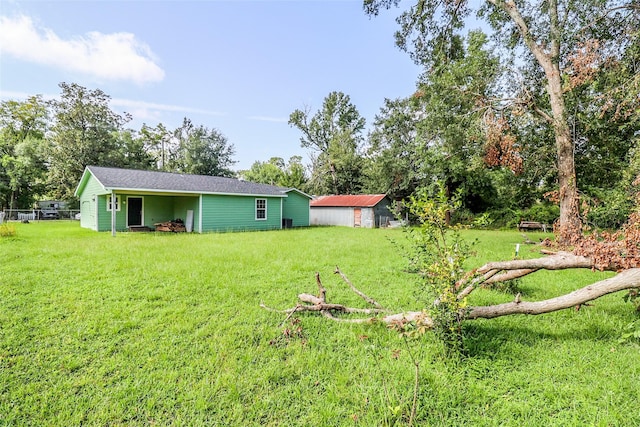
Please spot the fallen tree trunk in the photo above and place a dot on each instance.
(628, 279)
(557, 261)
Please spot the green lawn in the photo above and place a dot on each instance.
(164, 329)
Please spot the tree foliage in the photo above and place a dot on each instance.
(276, 172)
(545, 36)
(395, 154)
(45, 146)
(23, 126)
(201, 151)
(334, 134)
(84, 132)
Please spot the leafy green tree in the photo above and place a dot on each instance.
(270, 172)
(453, 119)
(159, 143)
(395, 155)
(135, 152)
(295, 174)
(334, 135)
(544, 34)
(202, 151)
(276, 172)
(22, 151)
(85, 132)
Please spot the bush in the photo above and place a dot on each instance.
(502, 218)
(609, 210)
(7, 230)
(541, 212)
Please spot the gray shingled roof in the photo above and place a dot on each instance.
(130, 179)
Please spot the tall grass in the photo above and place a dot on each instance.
(164, 329)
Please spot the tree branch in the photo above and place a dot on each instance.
(353, 288)
(626, 280)
(559, 261)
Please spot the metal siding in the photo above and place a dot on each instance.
(237, 213)
(367, 219)
(296, 207)
(331, 216)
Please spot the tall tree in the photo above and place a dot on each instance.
(160, 144)
(454, 116)
(22, 151)
(546, 31)
(395, 163)
(276, 172)
(136, 154)
(85, 132)
(202, 151)
(334, 134)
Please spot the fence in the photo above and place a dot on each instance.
(39, 215)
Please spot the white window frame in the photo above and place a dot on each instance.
(258, 209)
(118, 203)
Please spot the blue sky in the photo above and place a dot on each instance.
(238, 66)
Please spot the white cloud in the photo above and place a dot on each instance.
(139, 110)
(116, 56)
(132, 105)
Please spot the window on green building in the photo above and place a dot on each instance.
(261, 209)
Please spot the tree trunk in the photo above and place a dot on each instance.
(570, 224)
(628, 279)
(549, 59)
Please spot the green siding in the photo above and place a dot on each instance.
(183, 204)
(157, 209)
(237, 213)
(88, 203)
(296, 207)
(104, 216)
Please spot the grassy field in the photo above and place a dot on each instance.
(164, 329)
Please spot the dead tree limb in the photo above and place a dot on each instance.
(559, 261)
(322, 292)
(628, 279)
(353, 288)
(510, 275)
(319, 304)
(502, 271)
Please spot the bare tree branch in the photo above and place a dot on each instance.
(353, 288)
(626, 280)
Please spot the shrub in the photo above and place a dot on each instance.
(608, 210)
(7, 230)
(542, 212)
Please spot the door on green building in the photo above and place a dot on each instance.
(134, 211)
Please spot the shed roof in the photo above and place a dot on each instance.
(361, 200)
(155, 181)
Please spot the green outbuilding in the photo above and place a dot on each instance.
(114, 199)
